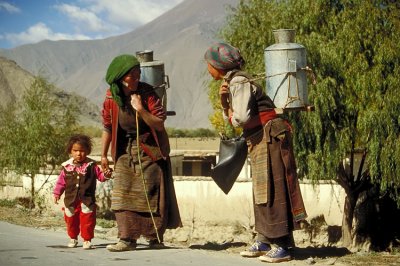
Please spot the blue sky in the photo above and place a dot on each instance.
(31, 21)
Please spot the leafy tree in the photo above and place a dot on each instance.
(354, 48)
(34, 132)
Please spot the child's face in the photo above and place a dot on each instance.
(130, 81)
(78, 153)
(215, 73)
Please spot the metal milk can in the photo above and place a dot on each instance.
(152, 72)
(285, 64)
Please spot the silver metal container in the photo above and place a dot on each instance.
(285, 64)
(152, 72)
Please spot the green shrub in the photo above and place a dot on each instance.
(105, 223)
(7, 203)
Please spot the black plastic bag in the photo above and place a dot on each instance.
(232, 155)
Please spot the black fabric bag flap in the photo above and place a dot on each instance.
(232, 155)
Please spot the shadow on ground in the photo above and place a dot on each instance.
(319, 252)
(297, 253)
(218, 246)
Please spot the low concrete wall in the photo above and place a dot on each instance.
(200, 199)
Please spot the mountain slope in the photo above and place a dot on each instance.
(178, 38)
(14, 81)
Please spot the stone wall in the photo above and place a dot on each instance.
(200, 199)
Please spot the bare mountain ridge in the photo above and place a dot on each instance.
(178, 38)
(14, 81)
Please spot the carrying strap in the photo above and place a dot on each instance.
(251, 79)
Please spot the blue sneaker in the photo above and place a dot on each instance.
(257, 249)
(278, 254)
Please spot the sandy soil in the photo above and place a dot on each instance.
(313, 244)
(218, 237)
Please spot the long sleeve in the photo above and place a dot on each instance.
(152, 112)
(240, 94)
(106, 112)
(99, 174)
(60, 184)
(155, 107)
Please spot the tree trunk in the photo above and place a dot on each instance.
(347, 223)
(31, 201)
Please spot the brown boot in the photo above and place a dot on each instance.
(122, 246)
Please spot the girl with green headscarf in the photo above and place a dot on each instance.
(132, 108)
(119, 66)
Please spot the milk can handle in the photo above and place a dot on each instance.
(167, 80)
(310, 72)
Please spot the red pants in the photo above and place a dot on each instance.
(83, 221)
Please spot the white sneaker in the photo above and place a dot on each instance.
(88, 245)
(278, 254)
(257, 249)
(72, 243)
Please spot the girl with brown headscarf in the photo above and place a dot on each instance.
(278, 204)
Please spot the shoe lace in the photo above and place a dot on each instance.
(274, 251)
(256, 245)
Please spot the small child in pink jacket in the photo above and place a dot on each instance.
(78, 180)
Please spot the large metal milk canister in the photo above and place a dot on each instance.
(152, 72)
(285, 64)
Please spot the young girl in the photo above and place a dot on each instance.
(278, 204)
(131, 107)
(78, 179)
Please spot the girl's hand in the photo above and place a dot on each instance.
(104, 164)
(224, 95)
(56, 198)
(136, 102)
(105, 168)
(108, 173)
(224, 88)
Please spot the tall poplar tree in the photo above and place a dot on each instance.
(34, 132)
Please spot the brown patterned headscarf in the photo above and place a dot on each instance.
(224, 57)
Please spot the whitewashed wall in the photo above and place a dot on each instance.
(201, 199)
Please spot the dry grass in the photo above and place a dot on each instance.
(29, 218)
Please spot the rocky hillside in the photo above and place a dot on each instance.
(179, 38)
(14, 81)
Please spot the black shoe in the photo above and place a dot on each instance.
(153, 243)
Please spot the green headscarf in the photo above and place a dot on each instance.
(119, 66)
